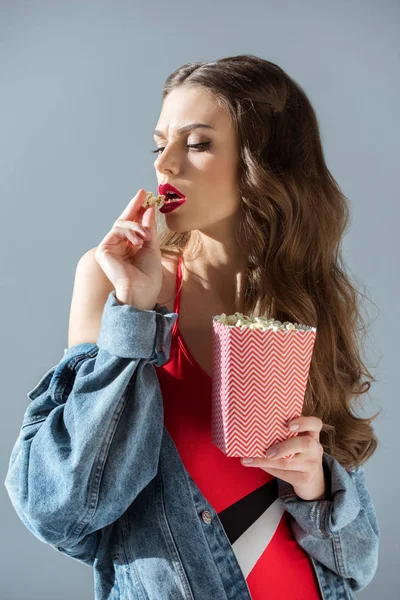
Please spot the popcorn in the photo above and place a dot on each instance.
(259, 378)
(151, 200)
(263, 323)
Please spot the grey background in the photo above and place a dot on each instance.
(80, 94)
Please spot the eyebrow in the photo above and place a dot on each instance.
(189, 127)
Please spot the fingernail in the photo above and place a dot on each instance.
(294, 426)
(247, 460)
(271, 452)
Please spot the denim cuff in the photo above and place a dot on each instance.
(322, 518)
(129, 332)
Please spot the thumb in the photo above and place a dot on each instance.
(149, 220)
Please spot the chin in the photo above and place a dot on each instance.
(176, 228)
(175, 225)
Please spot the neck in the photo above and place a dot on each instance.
(216, 268)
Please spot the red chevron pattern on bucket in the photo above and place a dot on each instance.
(259, 381)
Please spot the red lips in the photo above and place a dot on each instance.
(167, 187)
(167, 208)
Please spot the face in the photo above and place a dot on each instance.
(206, 174)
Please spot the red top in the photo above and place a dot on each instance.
(245, 498)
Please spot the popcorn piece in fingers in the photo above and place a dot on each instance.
(151, 200)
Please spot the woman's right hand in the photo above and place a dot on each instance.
(130, 256)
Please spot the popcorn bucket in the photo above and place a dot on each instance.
(259, 380)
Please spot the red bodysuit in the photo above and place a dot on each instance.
(245, 498)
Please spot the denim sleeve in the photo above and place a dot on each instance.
(341, 532)
(91, 435)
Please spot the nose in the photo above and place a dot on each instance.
(167, 162)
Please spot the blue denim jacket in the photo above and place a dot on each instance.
(95, 474)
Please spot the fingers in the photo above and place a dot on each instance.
(308, 426)
(134, 239)
(135, 227)
(135, 212)
(134, 208)
(149, 219)
(294, 464)
(134, 232)
(306, 444)
(297, 445)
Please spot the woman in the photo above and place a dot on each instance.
(159, 511)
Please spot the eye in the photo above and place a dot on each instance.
(197, 147)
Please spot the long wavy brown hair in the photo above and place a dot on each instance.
(293, 217)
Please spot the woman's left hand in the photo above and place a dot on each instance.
(304, 471)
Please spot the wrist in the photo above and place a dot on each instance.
(317, 490)
(125, 299)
